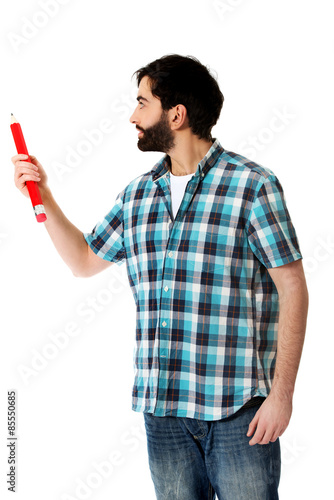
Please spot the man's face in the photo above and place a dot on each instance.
(151, 121)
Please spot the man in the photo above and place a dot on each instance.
(215, 269)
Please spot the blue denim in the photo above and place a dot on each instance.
(193, 459)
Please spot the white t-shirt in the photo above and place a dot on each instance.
(178, 185)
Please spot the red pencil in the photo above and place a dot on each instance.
(32, 186)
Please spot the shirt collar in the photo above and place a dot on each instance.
(163, 166)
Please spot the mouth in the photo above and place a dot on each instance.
(140, 132)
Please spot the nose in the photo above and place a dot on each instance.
(133, 118)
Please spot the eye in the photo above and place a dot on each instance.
(141, 104)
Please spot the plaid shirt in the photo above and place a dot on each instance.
(206, 306)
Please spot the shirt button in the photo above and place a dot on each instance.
(166, 288)
(164, 323)
(170, 254)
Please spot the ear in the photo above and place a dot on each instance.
(178, 117)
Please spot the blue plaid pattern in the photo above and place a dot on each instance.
(206, 306)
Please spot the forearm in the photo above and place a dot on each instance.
(67, 238)
(291, 333)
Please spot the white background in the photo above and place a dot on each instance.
(66, 67)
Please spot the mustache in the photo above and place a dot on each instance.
(140, 129)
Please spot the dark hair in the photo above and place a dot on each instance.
(183, 80)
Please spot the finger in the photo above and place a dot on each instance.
(267, 437)
(282, 430)
(274, 437)
(257, 436)
(26, 164)
(19, 157)
(20, 181)
(252, 425)
(23, 170)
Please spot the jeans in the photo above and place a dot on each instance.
(193, 459)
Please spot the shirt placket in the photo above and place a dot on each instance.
(163, 332)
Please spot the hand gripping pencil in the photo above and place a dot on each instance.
(32, 186)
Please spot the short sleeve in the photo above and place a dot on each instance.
(107, 237)
(270, 232)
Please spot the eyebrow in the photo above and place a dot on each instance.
(141, 98)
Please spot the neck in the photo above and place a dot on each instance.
(187, 153)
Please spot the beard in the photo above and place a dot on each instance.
(159, 137)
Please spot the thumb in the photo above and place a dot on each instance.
(37, 163)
